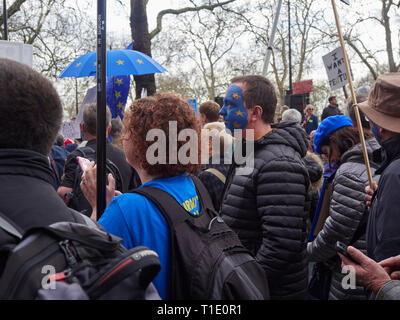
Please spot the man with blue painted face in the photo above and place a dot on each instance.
(383, 111)
(268, 205)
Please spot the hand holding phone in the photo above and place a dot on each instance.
(342, 248)
(83, 163)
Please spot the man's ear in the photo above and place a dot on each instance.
(82, 126)
(255, 113)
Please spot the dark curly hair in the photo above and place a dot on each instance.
(156, 113)
(30, 109)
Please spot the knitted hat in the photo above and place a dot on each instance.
(328, 126)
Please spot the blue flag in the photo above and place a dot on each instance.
(117, 92)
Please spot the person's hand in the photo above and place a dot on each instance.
(368, 195)
(89, 184)
(369, 273)
(392, 267)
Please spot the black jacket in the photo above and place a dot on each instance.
(269, 209)
(213, 184)
(383, 230)
(27, 195)
(330, 111)
(129, 175)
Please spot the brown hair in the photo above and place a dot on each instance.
(211, 110)
(156, 113)
(344, 138)
(259, 91)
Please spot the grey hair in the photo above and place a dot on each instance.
(90, 118)
(291, 115)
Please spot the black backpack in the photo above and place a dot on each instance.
(78, 200)
(208, 261)
(69, 261)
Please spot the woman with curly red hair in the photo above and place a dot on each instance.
(165, 164)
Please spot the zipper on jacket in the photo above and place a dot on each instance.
(69, 256)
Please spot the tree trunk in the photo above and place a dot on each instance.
(142, 43)
(388, 34)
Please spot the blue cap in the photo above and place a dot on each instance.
(328, 126)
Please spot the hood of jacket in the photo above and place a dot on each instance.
(287, 133)
(355, 154)
(25, 163)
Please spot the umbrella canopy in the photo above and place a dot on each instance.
(119, 63)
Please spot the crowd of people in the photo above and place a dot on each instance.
(303, 187)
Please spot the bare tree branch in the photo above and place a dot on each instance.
(162, 13)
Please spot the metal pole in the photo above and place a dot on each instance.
(271, 38)
(353, 96)
(101, 107)
(5, 37)
(290, 52)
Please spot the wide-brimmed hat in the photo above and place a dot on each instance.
(383, 104)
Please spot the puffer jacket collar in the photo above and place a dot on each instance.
(390, 150)
(355, 154)
(22, 162)
(286, 133)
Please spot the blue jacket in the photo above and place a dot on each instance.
(311, 124)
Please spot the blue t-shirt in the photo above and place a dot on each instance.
(138, 221)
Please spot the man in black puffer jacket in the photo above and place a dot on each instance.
(269, 207)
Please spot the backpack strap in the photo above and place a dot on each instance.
(204, 196)
(10, 227)
(217, 173)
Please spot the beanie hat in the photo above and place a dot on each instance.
(328, 126)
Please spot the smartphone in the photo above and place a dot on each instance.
(83, 162)
(342, 248)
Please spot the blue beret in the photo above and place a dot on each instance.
(328, 126)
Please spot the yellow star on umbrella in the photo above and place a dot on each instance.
(240, 113)
(120, 62)
(119, 82)
(78, 64)
(120, 105)
(117, 94)
(95, 63)
(236, 95)
(139, 61)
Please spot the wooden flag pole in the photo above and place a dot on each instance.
(353, 96)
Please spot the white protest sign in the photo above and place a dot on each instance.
(17, 51)
(336, 69)
(71, 130)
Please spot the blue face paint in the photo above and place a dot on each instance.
(233, 110)
(375, 131)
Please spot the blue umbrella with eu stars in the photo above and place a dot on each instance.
(119, 63)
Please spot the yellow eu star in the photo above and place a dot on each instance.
(120, 105)
(236, 95)
(119, 82)
(139, 61)
(78, 64)
(95, 63)
(236, 125)
(117, 94)
(240, 113)
(120, 62)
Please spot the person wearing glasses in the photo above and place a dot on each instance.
(310, 120)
